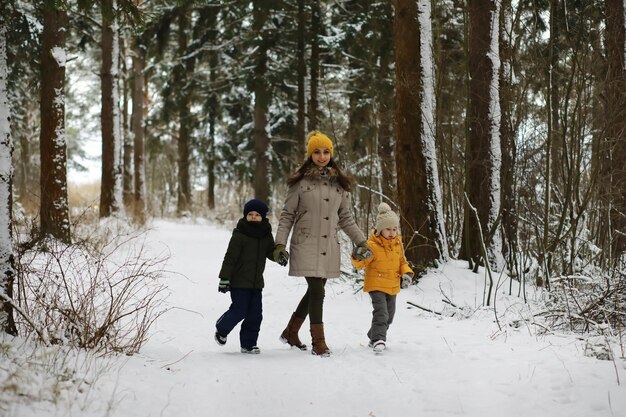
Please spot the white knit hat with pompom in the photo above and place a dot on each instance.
(386, 218)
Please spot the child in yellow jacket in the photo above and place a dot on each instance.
(385, 272)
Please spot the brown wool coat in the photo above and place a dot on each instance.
(316, 208)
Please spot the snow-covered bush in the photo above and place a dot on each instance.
(598, 347)
(104, 299)
(42, 376)
(587, 304)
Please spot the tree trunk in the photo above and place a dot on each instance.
(27, 174)
(261, 104)
(183, 69)
(138, 203)
(557, 146)
(7, 267)
(111, 183)
(211, 156)
(23, 165)
(509, 150)
(360, 132)
(301, 123)
(211, 21)
(316, 24)
(553, 157)
(54, 211)
(127, 157)
(409, 163)
(483, 152)
(420, 207)
(616, 120)
(434, 229)
(386, 110)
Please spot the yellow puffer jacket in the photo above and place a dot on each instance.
(383, 271)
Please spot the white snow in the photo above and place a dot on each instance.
(434, 366)
(118, 170)
(59, 55)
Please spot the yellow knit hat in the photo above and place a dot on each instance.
(317, 139)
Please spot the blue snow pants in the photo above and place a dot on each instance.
(246, 305)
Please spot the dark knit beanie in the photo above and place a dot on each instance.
(255, 205)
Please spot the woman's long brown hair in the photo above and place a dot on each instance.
(344, 180)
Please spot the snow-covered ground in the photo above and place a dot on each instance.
(462, 364)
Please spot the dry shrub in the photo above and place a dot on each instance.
(104, 299)
(588, 304)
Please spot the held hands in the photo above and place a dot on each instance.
(280, 255)
(362, 251)
(224, 286)
(406, 280)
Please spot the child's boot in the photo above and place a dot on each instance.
(290, 334)
(379, 346)
(319, 343)
(221, 340)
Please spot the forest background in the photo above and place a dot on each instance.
(496, 128)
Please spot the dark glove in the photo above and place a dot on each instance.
(224, 285)
(361, 251)
(406, 280)
(280, 255)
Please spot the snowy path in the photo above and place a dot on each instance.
(434, 366)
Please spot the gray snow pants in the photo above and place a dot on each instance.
(382, 316)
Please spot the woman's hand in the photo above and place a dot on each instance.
(362, 251)
(280, 255)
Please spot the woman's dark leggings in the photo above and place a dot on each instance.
(313, 300)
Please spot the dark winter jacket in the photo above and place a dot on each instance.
(244, 261)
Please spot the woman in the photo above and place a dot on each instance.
(317, 205)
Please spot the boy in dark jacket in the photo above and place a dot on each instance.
(242, 274)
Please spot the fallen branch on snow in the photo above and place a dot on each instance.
(423, 308)
(22, 313)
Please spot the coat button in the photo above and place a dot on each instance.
(324, 253)
(326, 199)
(325, 236)
(326, 218)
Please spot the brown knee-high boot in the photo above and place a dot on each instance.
(319, 343)
(290, 334)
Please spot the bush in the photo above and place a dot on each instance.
(102, 299)
(587, 303)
